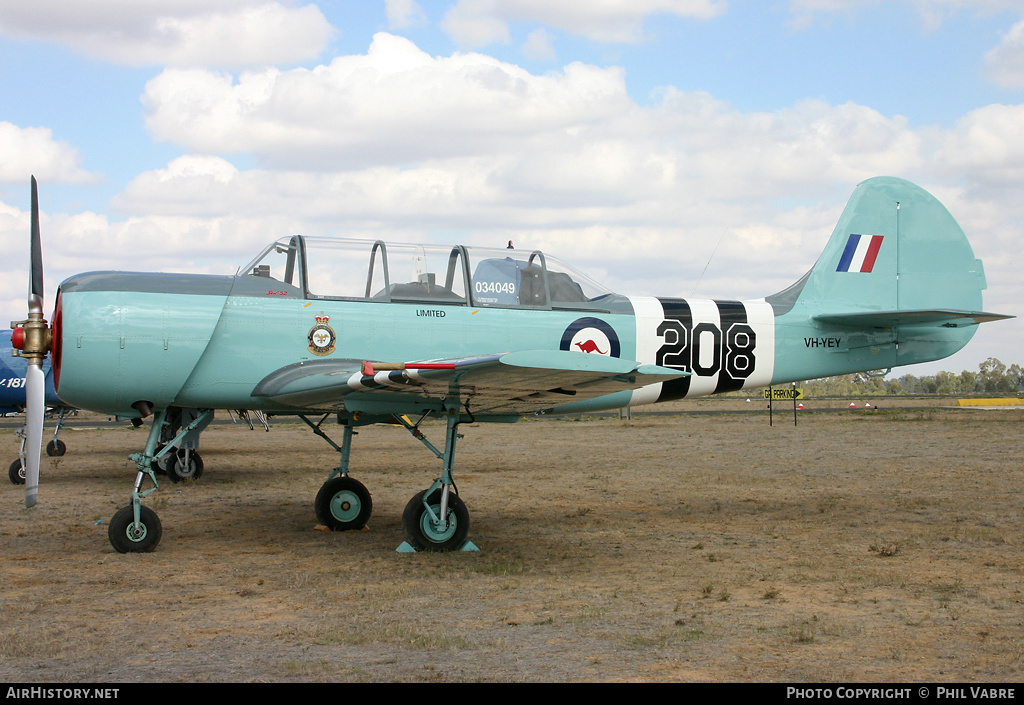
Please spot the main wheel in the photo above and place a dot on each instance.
(424, 533)
(178, 470)
(343, 504)
(56, 448)
(160, 464)
(17, 472)
(126, 537)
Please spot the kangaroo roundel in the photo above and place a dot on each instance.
(592, 336)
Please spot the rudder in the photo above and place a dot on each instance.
(895, 247)
(897, 261)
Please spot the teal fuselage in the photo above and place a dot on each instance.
(130, 337)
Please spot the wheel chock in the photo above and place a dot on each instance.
(406, 547)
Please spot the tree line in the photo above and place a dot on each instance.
(992, 377)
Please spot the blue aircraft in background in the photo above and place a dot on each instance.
(12, 401)
(184, 465)
(12, 379)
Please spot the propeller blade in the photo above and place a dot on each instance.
(35, 408)
(32, 338)
(35, 280)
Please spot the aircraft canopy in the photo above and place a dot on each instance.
(327, 268)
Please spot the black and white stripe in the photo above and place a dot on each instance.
(726, 345)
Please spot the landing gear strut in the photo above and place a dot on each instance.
(343, 503)
(135, 528)
(54, 449)
(183, 461)
(435, 519)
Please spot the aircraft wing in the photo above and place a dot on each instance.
(501, 384)
(948, 318)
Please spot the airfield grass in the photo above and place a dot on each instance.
(879, 546)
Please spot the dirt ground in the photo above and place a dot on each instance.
(853, 546)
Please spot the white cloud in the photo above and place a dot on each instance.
(394, 105)
(987, 144)
(572, 137)
(220, 33)
(88, 241)
(399, 141)
(933, 13)
(1005, 63)
(33, 150)
(399, 136)
(477, 23)
(540, 45)
(403, 14)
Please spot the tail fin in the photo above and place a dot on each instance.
(898, 275)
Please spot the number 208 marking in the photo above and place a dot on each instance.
(732, 353)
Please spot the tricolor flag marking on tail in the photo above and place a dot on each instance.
(860, 253)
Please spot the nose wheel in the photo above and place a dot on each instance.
(129, 536)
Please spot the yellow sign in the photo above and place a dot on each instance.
(1005, 401)
(785, 393)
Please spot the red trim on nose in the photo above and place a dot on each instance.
(56, 331)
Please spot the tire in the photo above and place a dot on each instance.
(177, 471)
(125, 539)
(160, 464)
(343, 504)
(422, 533)
(56, 448)
(17, 473)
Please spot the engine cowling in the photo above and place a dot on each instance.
(121, 338)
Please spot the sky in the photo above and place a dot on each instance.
(664, 147)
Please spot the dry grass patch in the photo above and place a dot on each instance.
(880, 546)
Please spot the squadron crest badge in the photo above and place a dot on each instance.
(321, 336)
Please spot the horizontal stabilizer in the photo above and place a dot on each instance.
(945, 318)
